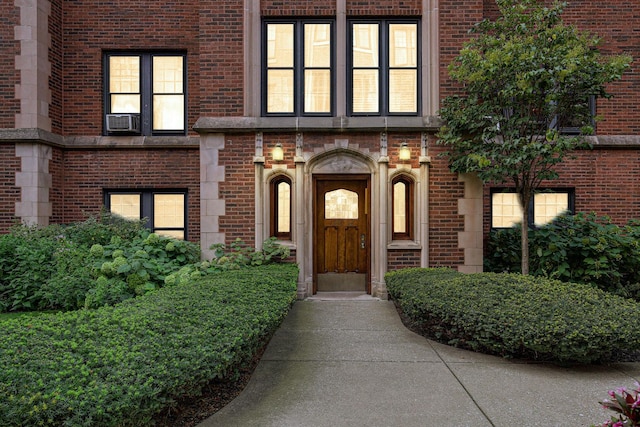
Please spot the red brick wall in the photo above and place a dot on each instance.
(9, 76)
(238, 190)
(86, 173)
(221, 58)
(456, 18)
(297, 8)
(606, 182)
(397, 259)
(616, 23)
(9, 193)
(56, 192)
(93, 26)
(444, 221)
(384, 8)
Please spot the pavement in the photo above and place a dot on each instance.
(347, 360)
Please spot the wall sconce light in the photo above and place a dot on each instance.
(277, 154)
(404, 153)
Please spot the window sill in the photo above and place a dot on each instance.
(404, 244)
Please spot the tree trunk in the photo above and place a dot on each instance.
(525, 201)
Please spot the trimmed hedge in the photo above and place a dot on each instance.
(517, 316)
(118, 366)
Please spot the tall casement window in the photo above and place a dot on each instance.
(402, 208)
(165, 210)
(384, 68)
(280, 211)
(298, 68)
(145, 93)
(545, 206)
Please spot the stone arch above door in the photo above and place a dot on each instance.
(340, 161)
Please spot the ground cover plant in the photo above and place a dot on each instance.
(516, 316)
(119, 365)
(580, 248)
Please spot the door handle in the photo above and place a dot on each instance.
(362, 241)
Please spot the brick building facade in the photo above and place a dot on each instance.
(211, 91)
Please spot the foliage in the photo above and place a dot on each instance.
(25, 263)
(101, 261)
(238, 254)
(627, 404)
(526, 76)
(118, 366)
(580, 248)
(517, 316)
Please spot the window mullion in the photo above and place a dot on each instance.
(146, 77)
(383, 67)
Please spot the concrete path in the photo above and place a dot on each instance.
(353, 363)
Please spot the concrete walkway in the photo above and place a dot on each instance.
(337, 362)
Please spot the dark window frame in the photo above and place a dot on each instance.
(146, 90)
(273, 207)
(570, 191)
(298, 67)
(409, 183)
(383, 66)
(147, 206)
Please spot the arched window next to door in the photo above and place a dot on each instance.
(280, 207)
(402, 190)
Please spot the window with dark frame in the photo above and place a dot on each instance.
(147, 85)
(384, 64)
(280, 203)
(402, 208)
(166, 210)
(298, 70)
(545, 206)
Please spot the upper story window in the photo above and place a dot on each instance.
(145, 93)
(298, 68)
(383, 68)
(546, 205)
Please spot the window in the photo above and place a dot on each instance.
(546, 205)
(165, 210)
(298, 68)
(151, 85)
(585, 113)
(281, 208)
(402, 208)
(384, 68)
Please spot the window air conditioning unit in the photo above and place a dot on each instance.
(123, 123)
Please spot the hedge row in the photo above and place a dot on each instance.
(517, 316)
(118, 366)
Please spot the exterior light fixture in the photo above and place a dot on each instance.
(277, 154)
(404, 153)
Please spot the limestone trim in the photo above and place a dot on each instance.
(212, 206)
(471, 238)
(33, 63)
(34, 181)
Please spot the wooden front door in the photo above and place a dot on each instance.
(341, 234)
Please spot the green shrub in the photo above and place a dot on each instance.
(575, 248)
(25, 263)
(239, 254)
(118, 366)
(517, 316)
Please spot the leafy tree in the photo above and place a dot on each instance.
(526, 77)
